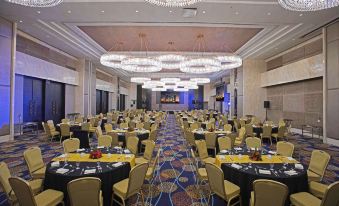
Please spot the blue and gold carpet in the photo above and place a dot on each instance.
(175, 180)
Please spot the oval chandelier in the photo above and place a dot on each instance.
(140, 80)
(173, 3)
(111, 59)
(308, 5)
(200, 80)
(36, 3)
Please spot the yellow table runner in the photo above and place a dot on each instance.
(216, 132)
(75, 157)
(220, 159)
(124, 131)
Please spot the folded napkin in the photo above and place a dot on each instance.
(62, 170)
(80, 150)
(299, 166)
(252, 148)
(117, 164)
(290, 158)
(291, 172)
(89, 171)
(266, 172)
(221, 157)
(223, 151)
(100, 147)
(236, 166)
(126, 151)
(272, 152)
(128, 156)
(117, 147)
(238, 148)
(62, 156)
(55, 164)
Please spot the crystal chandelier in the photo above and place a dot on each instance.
(170, 80)
(140, 80)
(36, 3)
(173, 3)
(200, 80)
(308, 5)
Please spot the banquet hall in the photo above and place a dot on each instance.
(169, 102)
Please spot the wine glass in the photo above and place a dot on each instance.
(77, 164)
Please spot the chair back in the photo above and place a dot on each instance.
(123, 125)
(269, 192)
(23, 191)
(149, 150)
(84, 191)
(98, 131)
(153, 127)
(267, 131)
(115, 138)
(136, 179)
(210, 125)
(65, 121)
(202, 148)
(140, 125)
(216, 179)
(147, 125)
(228, 127)
(131, 124)
(190, 137)
(33, 159)
(242, 134)
(211, 139)
(319, 161)
(85, 126)
(130, 134)
(105, 141)
(285, 148)
(186, 125)
(281, 131)
(4, 176)
(253, 142)
(331, 195)
(225, 143)
(249, 130)
(50, 122)
(194, 126)
(153, 135)
(79, 120)
(132, 144)
(65, 130)
(242, 123)
(71, 145)
(108, 127)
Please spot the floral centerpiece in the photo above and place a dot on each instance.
(95, 154)
(256, 155)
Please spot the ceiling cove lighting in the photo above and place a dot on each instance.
(140, 80)
(170, 80)
(159, 89)
(200, 80)
(308, 5)
(173, 3)
(36, 3)
(178, 89)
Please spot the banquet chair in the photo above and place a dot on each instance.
(132, 144)
(105, 141)
(5, 174)
(71, 145)
(108, 127)
(65, 121)
(242, 123)
(281, 122)
(35, 163)
(253, 142)
(25, 195)
(147, 125)
(249, 130)
(131, 124)
(98, 131)
(268, 192)
(317, 189)
(153, 127)
(269, 123)
(210, 125)
(131, 185)
(241, 137)
(285, 148)
(228, 127)
(152, 137)
(190, 138)
(79, 120)
(236, 125)
(267, 133)
(221, 187)
(280, 134)
(139, 125)
(186, 125)
(331, 197)
(194, 126)
(50, 131)
(85, 191)
(202, 151)
(123, 125)
(318, 164)
(115, 138)
(65, 131)
(225, 143)
(151, 169)
(85, 126)
(150, 145)
(211, 139)
(201, 172)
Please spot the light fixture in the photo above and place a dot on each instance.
(308, 5)
(154, 84)
(173, 3)
(178, 89)
(159, 89)
(172, 86)
(185, 83)
(170, 80)
(171, 61)
(111, 59)
(200, 80)
(201, 66)
(230, 61)
(192, 87)
(36, 3)
(140, 80)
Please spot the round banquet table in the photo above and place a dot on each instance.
(200, 135)
(244, 177)
(141, 136)
(258, 130)
(108, 174)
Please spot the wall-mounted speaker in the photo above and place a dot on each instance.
(266, 104)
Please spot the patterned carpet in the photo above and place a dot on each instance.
(175, 179)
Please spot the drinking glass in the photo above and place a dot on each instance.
(77, 165)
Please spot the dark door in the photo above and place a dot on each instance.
(122, 102)
(101, 102)
(54, 101)
(33, 100)
(98, 101)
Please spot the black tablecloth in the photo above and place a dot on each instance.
(258, 130)
(244, 177)
(83, 137)
(201, 136)
(141, 136)
(108, 174)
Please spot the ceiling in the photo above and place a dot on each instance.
(252, 28)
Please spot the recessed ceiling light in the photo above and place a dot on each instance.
(69, 11)
(102, 11)
(170, 11)
(300, 14)
(203, 12)
(20, 21)
(293, 39)
(236, 13)
(39, 12)
(136, 11)
(269, 13)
